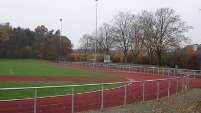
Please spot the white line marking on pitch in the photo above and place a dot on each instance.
(11, 71)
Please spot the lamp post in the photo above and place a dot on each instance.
(60, 42)
(94, 62)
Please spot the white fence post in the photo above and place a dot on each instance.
(186, 87)
(125, 95)
(102, 97)
(143, 91)
(169, 72)
(182, 84)
(153, 71)
(188, 82)
(158, 86)
(169, 88)
(35, 100)
(177, 86)
(73, 99)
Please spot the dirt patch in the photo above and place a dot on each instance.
(189, 102)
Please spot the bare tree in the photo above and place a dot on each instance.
(85, 44)
(157, 31)
(147, 21)
(137, 39)
(106, 37)
(123, 33)
(168, 31)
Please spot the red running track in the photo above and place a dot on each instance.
(92, 101)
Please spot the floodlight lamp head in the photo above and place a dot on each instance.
(60, 19)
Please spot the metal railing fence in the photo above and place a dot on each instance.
(144, 90)
(129, 92)
(141, 69)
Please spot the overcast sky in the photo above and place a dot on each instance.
(79, 16)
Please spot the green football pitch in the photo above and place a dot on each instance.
(30, 67)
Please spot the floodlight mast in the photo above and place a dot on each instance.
(94, 62)
(60, 42)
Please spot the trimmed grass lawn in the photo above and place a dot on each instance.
(29, 93)
(27, 67)
(32, 67)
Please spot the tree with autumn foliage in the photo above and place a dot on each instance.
(47, 44)
(4, 32)
(24, 43)
(4, 37)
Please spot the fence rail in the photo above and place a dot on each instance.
(142, 69)
(129, 92)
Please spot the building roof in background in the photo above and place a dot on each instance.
(195, 48)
